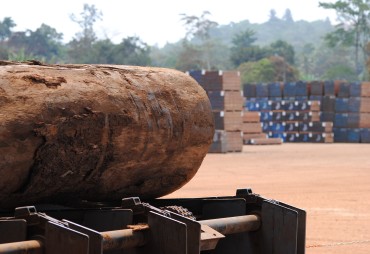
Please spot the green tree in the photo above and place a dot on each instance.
(283, 71)
(288, 16)
(272, 16)
(166, 56)
(199, 28)
(283, 49)
(6, 28)
(132, 51)
(243, 50)
(325, 58)
(46, 43)
(260, 71)
(188, 58)
(341, 72)
(102, 52)
(81, 45)
(353, 29)
(306, 61)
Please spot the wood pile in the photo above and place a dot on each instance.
(224, 92)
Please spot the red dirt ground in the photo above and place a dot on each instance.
(330, 181)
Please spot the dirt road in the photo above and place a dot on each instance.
(330, 181)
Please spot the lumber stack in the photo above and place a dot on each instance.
(252, 130)
(223, 90)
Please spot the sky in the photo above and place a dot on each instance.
(156, 22)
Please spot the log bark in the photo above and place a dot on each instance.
(98, 132)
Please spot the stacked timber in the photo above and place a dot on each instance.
(223, 90)
(252, 130)
(252, 126)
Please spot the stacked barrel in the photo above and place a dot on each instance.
(352, 112)
(224, 92)
(289, 111)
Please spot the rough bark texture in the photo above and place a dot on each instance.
(98, 132)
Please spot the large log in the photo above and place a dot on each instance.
(98, 132)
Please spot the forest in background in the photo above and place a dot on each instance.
(280, 49)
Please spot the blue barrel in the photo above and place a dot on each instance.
(316, 97)
(277, 116)
(276, 99)
(265, 116)
(343, 90)
(249, 90)
(289, 90)
(316, 88)
(264, 104)
(317, 137)
(355, 89)
(274, 90)
(301, 98)
(328, 103)
(265, 127)
(353, 120)
(305, 126)
(340, 135)
(302, 106)
(290, 116)
(327, 116)
(252, 105)
(304, 137)
(354, 104)
(329, 89)
(341, 105)
(291, 137)
(301, 89)
(353, 135)
(276, 105)
(197, 75)
(365, 136)
(288, 105)
(262, 91)
(292, 127)
(341, 120)
(276, 127)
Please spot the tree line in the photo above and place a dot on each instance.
(45, 44)
(342, 53)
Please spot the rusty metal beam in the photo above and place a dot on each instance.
(24, 247)
(123, 239)
(233, 225)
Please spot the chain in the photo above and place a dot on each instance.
(337, 244)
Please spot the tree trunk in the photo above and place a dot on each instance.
(98, 132)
